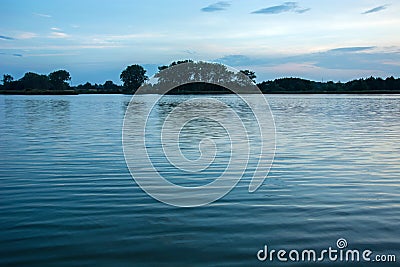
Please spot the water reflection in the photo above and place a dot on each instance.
(67, 196)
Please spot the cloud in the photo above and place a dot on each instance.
(219, 6)
(352, 49)
(235, 60)
(190, 52)
(27, 35)
(338, 63)
(42, 15)
(6, 37)
(58, 54)
(58, 35)
(285, 7)
(301, 11)
(8, 54)
(341, 57)
(114, 39)
(375, 9)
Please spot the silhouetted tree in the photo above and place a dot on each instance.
(198, 78)
(59, 78)
(133, 77)
(109, 85)
(85, 86)
(35, 81)
(251, 74)
(180, 62)
(163, 67)
(7, 82)
(7, 78)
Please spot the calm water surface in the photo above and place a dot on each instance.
(67, 197)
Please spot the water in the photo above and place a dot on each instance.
(67, 197)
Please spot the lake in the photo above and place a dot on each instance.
(68, 198)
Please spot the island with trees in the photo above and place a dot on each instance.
(134, 76)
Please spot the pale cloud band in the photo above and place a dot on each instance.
(42, 15)
(337, 63)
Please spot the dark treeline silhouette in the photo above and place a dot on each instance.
(109, 87)
(54, 83)
(361, 86)
(57, 83)
(134, 76)
(33, 83)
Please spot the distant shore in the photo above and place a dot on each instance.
(134, 76)
(72, 92)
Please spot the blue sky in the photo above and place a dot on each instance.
(95, 39)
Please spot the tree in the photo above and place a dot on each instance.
(7, 82)
(35, 81)
(109, 86)
(198, 78)
(133, 77)
(7, 79)
(59, 78)
(251, 74)
(181, 62)
(163, 67)
(85, 86)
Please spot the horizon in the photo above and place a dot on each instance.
(120, 83)
(308, 39)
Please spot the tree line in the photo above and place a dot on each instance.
(55, 81)
(370, 85)
(58, 82)
(133, 76)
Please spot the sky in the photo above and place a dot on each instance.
(96, 39)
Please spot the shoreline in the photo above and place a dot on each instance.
(72, 92)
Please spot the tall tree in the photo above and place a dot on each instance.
(133, 77)
(59, 78)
